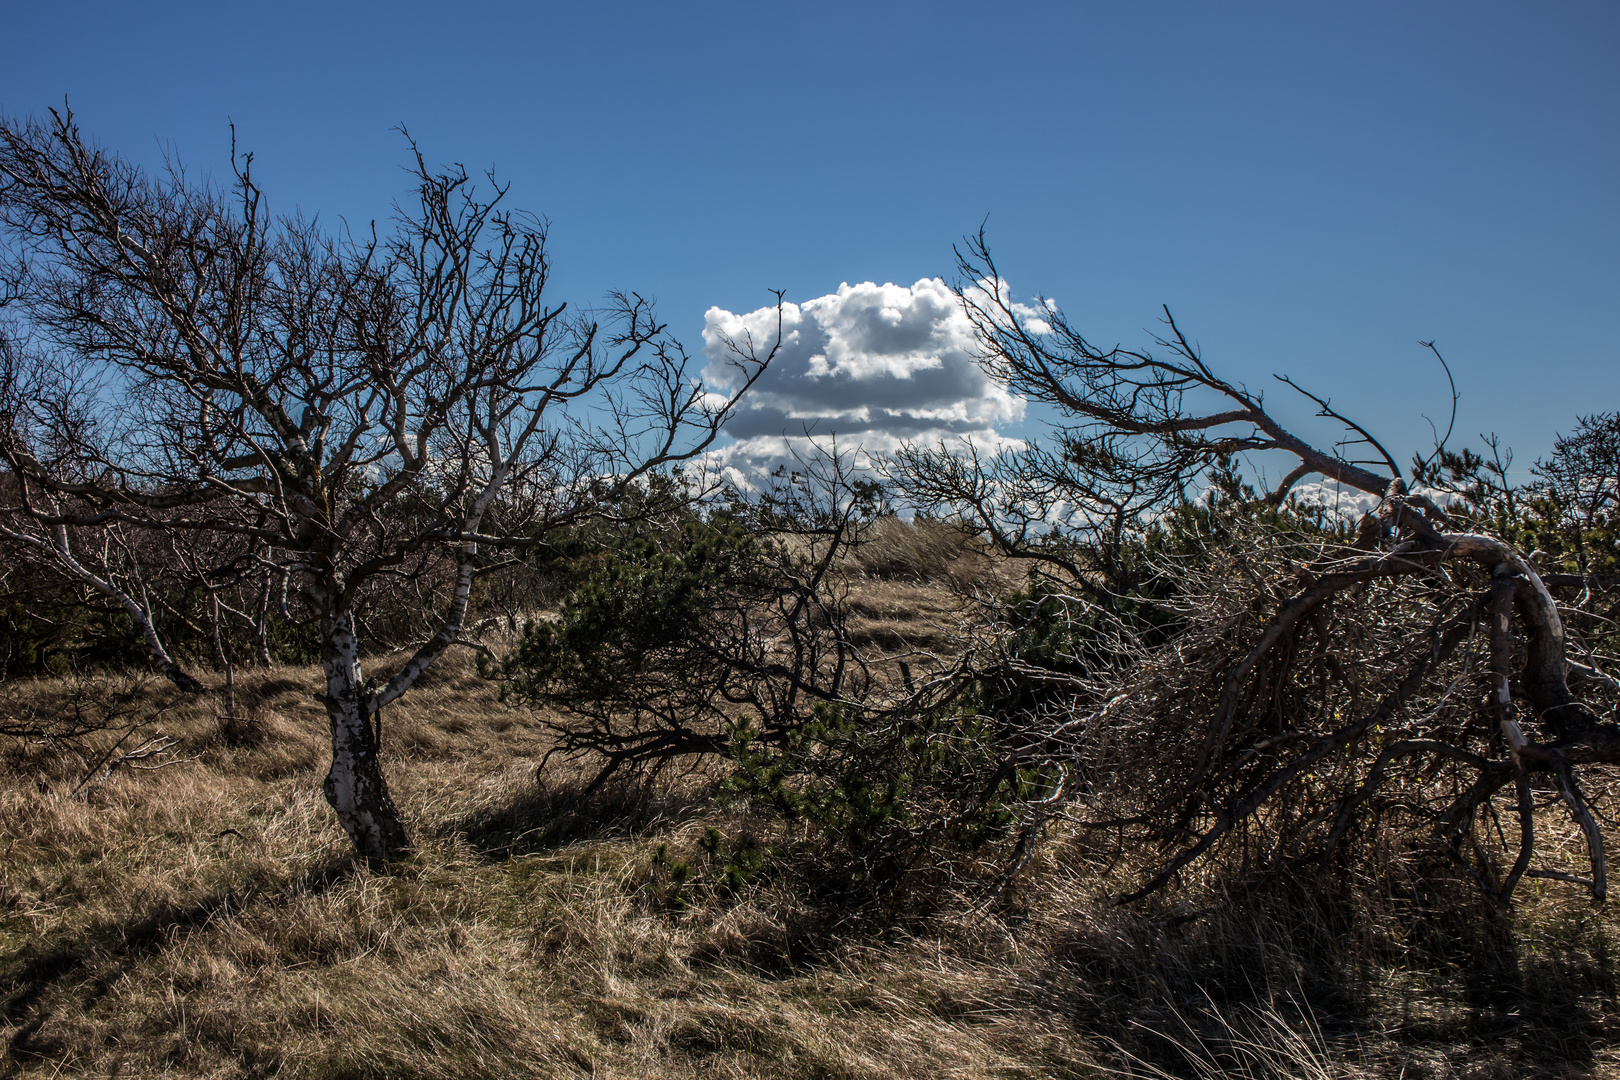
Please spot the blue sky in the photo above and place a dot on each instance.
(1311, 188)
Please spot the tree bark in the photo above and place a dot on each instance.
(261, 626)
(354, 786)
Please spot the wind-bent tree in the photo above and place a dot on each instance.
(353, 414)
(1322, 684)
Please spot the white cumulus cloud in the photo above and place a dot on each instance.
(873, 365)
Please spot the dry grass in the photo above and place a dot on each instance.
(922, 550)
(206, 920)
(913, 584)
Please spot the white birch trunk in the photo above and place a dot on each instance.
(354, 785)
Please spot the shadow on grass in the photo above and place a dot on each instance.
(258, 689)
(93, 958)
(556, 813)
(1441, 982)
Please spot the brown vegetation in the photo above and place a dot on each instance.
(209, 919)
(1124, 769)
(291, 411)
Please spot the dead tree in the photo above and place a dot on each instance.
(362, 414)
(1321, 682)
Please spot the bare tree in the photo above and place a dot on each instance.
(1320, 681)
(358, 413)
(1139, 428)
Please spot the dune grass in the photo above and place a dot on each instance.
(206, 919)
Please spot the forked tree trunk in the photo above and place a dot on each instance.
(354, 785)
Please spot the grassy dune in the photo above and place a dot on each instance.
(206, 919)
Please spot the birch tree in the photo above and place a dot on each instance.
(356, 411)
